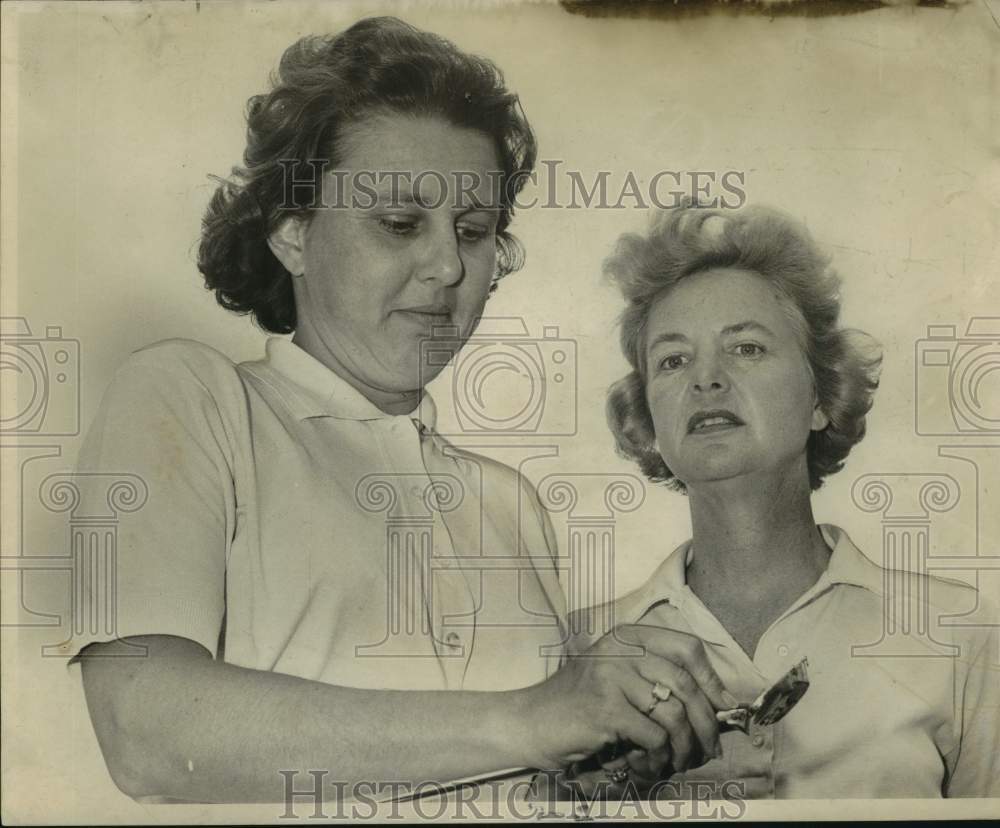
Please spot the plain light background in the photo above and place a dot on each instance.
(878, 129)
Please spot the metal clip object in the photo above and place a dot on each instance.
(771, 705)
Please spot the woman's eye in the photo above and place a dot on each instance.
(749, 349)
(672, 362)
(473, 232)
(397, 225)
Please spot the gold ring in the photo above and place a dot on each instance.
(661, 693)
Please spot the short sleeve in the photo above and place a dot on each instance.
(974, 764)
(160, 427)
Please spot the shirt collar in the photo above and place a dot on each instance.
(668, 583)
(312, 390)
(849, 565)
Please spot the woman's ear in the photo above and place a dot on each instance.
(819, 418)
(287, 243)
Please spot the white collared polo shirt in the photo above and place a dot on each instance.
(904, 695)
(292, 526)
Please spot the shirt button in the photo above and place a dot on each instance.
(757, 741)
(453, 639)
(783, 650)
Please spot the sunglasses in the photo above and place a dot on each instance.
(772, 705)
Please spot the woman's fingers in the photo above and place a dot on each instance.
(605, 693)
(667, 717)
(698, 708)
(640, 729)
(686, 651)
(672, 717)
(651, 765)
(641, 770)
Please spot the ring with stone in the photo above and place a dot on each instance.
(616, 775)
(660, 694)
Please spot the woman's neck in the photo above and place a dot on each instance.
(391, 402)
(755, 541)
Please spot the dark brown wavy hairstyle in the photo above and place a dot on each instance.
(323, 85)
(844, 363)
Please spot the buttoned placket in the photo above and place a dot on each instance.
(750, 756)
(755, 753)
(447, 596)
(772, 658)
(454, 599)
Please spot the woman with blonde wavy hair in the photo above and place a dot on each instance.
(745, 393)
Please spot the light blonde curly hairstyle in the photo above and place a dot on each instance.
(682, 241)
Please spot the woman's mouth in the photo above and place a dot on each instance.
(712, 422)
(428, 315)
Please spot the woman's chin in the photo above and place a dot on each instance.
(714, 470)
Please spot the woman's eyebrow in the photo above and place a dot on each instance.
(666, 337)
(748, 325)
(475, 203)
(393, 196)
(729, 330)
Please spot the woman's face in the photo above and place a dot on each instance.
(728, 384)
(398, 255)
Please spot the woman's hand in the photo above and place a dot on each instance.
(604, 696)
(634, 772)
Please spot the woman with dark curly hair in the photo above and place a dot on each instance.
(745, 393)
(301, 584)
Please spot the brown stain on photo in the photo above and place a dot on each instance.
(681, 9)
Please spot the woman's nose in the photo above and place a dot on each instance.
(709, 375)
(442, 260)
